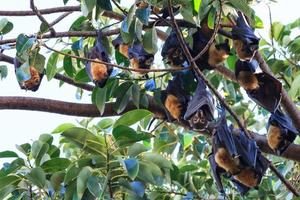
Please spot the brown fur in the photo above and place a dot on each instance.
(34, 80)
(247, 177)
(123, 49)
(248, 80)
(216, 57)
(239, 48)
(142, 4)
(225, 161)
(173, 106)
(99, 71)
(274, 137)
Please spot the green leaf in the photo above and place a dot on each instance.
(63, 127)
(211, 18)
(136, 95)
(51, 66)
(132, 117)
(150, 172)
(294, 91)
(87, 6)
(105, 123)
(8, 154)
(23, 72)
(101, 99)
(82, 77)
(3, 71)
(37, 176)
(5, 26)
(23, 43)
(125, 27)
(258, 23)
(125, 135)
(158, 159)
(187, 168)
(68, 66)
(123, 94)
(197, 4)
(46, 138)
(82, 137)
(136, 149)
(37, 61)
(277, 28)
(131, 166)
(38, 150)
(82, 180)
(56, 180)
(243, 7)
(150, 41)
(24, 148)
(55, 165)
(71, 174)
(8, 180)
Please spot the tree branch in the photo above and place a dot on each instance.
(90, 110)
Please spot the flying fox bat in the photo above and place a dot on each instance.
(261, 87)
(244, 39)
(32, 82)
(172, 51)
(281, 131)
(200, 110)
(98, 72)
(175, 98)
(214, 56)
(121, 46)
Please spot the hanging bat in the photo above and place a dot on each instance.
(121, 46)
(214, 56)
(172, 51)
(237, 155)
(281, 131)
(200, 110)
(139, 58)
(261, 87)
(33, 82)
(244, 39)
(175, 98)
(98, 72)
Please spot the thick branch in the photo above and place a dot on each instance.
(90, 110)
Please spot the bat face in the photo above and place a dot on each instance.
(244, 51)
(139, 58)
(218, 54)
(225, 161)
(247, 177)
(248, 80)
(174, 106)
(99, 71)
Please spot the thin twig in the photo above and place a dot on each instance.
(119, 7)
(211, 40)
(42, 19)
(61, 17)
(115, 65)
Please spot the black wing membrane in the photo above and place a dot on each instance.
(280, 123)
(245, 41)
(97, 72)
(261, 87)
(172, 51)
(243, 156)
(200, 108)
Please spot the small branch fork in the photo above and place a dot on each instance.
(218, 95)
(42, 19)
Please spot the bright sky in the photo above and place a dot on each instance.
(18, 127)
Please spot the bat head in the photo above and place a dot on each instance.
(98, 72)
(281, 131)
(141, 58)
(201, 108)
(248, 66)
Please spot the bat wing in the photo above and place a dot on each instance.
(269, 93)
(247, 149)
(224, 137)
(283, 121)
(242, 30)
(116, 42)
(216, 173)
(201, 99)
(171, 42)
